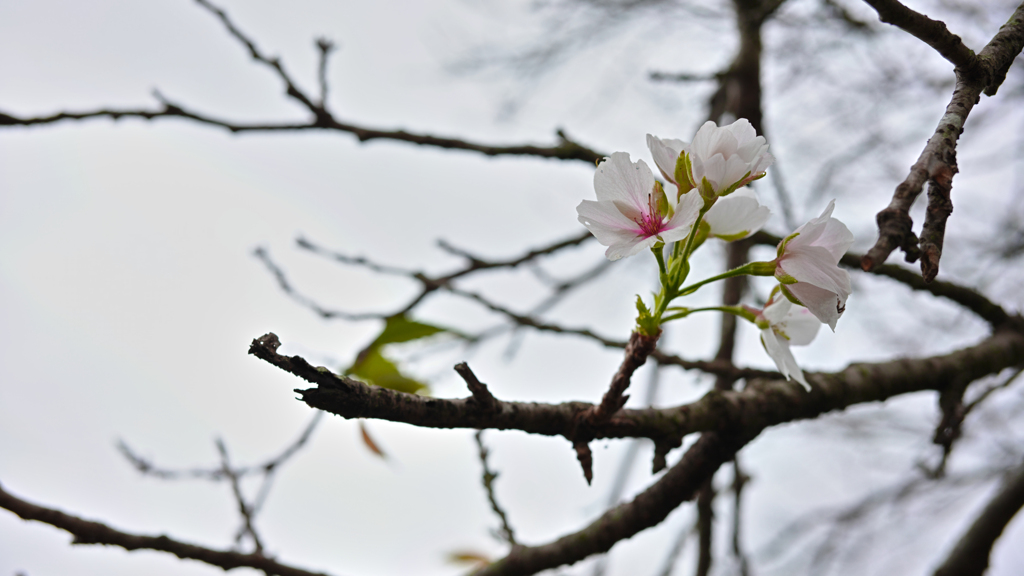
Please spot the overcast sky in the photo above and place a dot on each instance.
(129, 293)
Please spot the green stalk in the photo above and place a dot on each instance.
(751, 268)
(734, 310)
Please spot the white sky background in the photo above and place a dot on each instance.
(128, 293)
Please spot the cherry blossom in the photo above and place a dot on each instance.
(718, 161)
(808, 266)
(632, 212)
(737, 216)
(783, 325)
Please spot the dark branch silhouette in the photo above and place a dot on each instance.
(321, 117)
(937, 163)
(970, 556)
(89, 532)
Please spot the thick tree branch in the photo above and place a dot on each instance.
(970, 556)
(937, 163)
(931, 32)
(89, 532)
(762, 402)
(648, 509)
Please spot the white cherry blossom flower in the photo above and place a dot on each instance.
(808, 266)
(631, 213)
(667, 152)
(737, 216)
(783, 325)
(728, 158)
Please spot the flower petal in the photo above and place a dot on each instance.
(619, 180)
(815, 265)
(739, 212)
(826, 306)
(735, 170)
(836, 238)
(777, 310)
(665, 152)
(629, 248)
(687, 210)
(714, 171)
(778, 350)
(800, 326)
(606, 221)
(743, 131)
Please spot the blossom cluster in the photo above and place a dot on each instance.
(634, 211)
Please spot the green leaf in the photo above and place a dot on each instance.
(401, 329)
(646, 323)
(379, 371)
(372, 366)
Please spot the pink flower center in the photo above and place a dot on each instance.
(650, 221)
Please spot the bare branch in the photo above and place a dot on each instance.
(243, 507)
(217, 473)
(739, 481)
(326, 47)
(931, 32)
(481, 394)
(565, 149)
(720, 367)
(273, 63)
(761, 403)
(991, 389)
(937, 163)
(488, 481)
(684, 77)
(638, 349)
(431, 284)
(970, 556)
(89, 532)
(649, 508)
(288, 289)
(705, 523)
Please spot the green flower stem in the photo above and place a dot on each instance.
(734, 310)
(659, 255)
(751, 268)
(689, 241)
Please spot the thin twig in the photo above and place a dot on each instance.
(488, 481)
(89, 532)
(649, 508)
(326, 47)
(565, 149)
(479, 390)
(739, 481)
(216, 473)
(243, 507)
(970, 556)
(970, 406)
